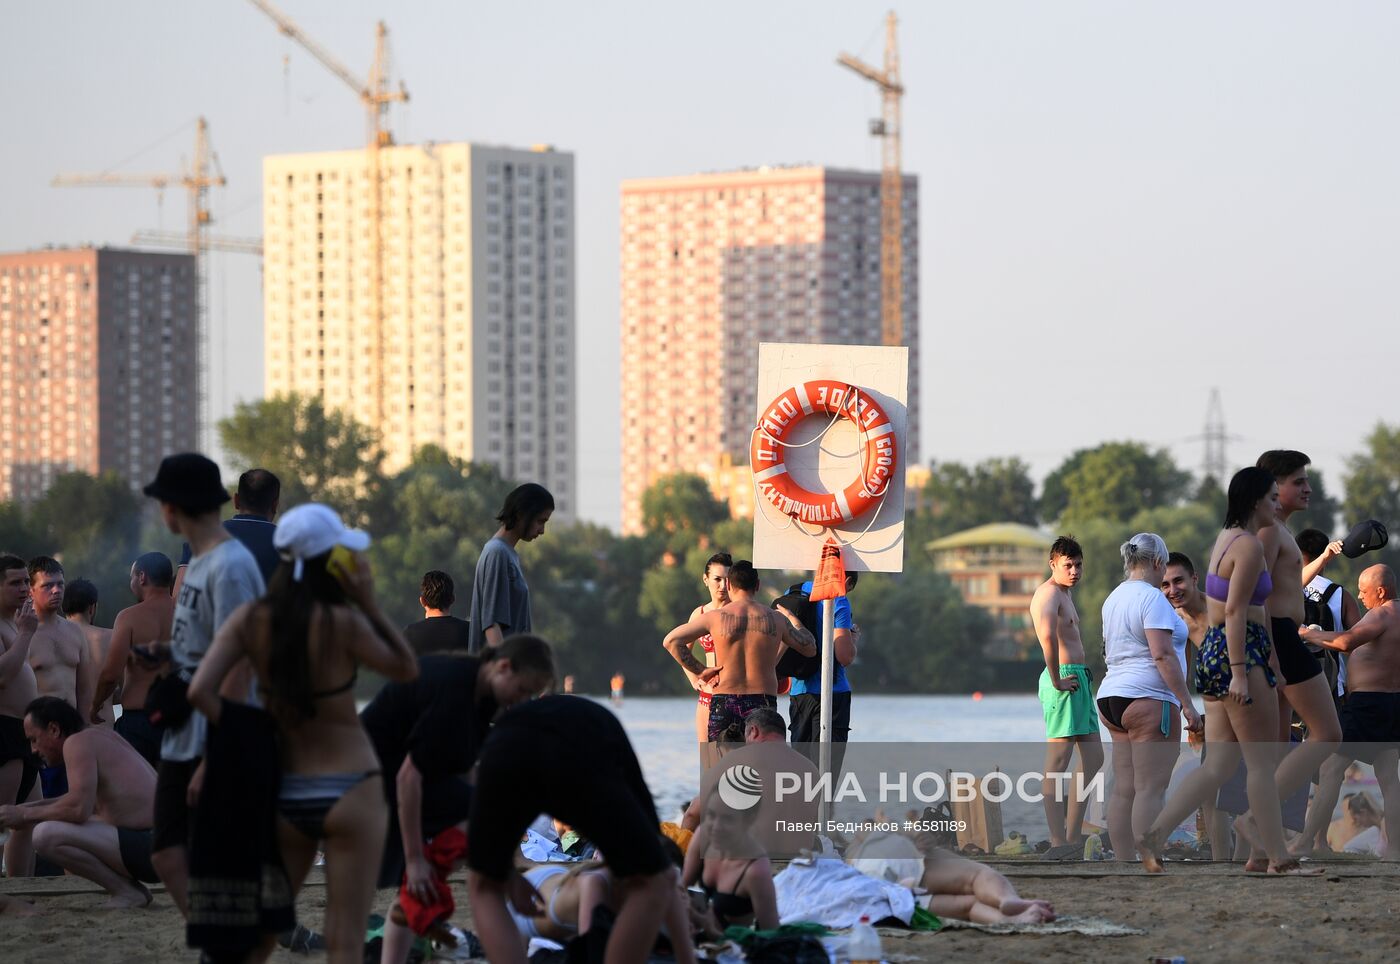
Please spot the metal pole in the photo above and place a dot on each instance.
(828, 678)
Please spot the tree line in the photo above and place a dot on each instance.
(606, 600)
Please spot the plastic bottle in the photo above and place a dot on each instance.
(1093, 847)
(864, 945)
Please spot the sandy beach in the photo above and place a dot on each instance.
(1198, 911)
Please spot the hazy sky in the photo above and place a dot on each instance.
(1122, 204)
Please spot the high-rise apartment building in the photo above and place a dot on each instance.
(472, 346)
(714, 264)
(97, 364)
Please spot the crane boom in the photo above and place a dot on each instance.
(202, 174)
(214, 242)
(373, 92)
(158, 181)
(891, 183)
(328, 60)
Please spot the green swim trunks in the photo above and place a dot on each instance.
(1068, 714)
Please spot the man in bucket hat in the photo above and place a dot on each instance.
(222, 576)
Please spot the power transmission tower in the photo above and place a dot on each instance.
(1214, 436)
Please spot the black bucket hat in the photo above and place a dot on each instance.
(188, 481)
(1364, 537)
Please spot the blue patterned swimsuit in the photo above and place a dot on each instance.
(1213, 670)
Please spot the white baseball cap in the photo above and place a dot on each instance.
(313, 530)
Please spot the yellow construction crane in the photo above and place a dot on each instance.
(375, 95)
(891, 184)
(202, 174)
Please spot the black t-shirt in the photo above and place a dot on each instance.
(576, 719)
(438, 633)
(255, 532)
(435, 718)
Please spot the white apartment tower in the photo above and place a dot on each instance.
(475, 350)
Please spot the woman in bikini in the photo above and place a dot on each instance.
(569, 893)
(1236, 672)
(1143, 696)
(305, 641)
(716, 580)
(729, 864)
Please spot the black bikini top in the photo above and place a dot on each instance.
(728, 906)
(323, 694)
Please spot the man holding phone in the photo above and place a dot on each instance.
(222, 576)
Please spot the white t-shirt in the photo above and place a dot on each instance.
(1128, 612)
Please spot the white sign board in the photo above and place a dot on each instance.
(873, 539)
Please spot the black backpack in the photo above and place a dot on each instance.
(1318, 612)
(808, 613)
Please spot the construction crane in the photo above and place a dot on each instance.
(174, 240)
(202, 174)
(886, 127)
(375, 95)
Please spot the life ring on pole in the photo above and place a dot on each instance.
(879, 452)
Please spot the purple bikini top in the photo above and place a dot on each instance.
(1218, 587)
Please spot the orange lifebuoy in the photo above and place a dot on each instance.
(879, 452)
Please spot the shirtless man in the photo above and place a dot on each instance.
(17, 691)
(101, 828)
(1065, 695)
(80, 608)
(1304, 686)
(1371, 715)
(145, 624)
(59, 653)
(716, 580)
(748, 640)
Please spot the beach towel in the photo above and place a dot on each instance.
(1087, 926)
(238, 887)
(837, 895)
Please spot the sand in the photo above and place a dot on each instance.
(1202, 912)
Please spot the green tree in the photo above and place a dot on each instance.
(94, 525)
(1112, 481)
(17, 535)
(680, 509)
(1373, 488)
(917, 634)
(318, 454)
(435, 514)
(993, 490)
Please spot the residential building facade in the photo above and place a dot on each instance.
(470, 344)
(98, 363)
(714, 264)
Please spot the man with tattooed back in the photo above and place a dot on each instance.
(749, 638)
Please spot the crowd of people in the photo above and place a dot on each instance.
(226, 695)
(1259, 662)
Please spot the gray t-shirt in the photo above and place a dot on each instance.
(499, 593)
(216, 584)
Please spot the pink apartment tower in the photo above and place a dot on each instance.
(714, 264)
